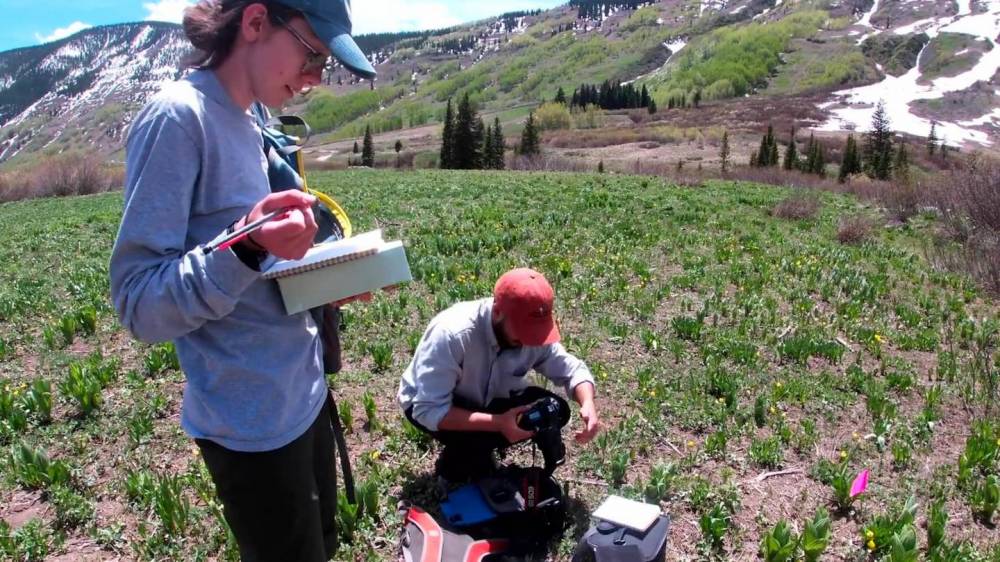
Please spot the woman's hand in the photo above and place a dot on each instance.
(288, 236)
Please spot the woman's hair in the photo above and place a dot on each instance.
(213, 25)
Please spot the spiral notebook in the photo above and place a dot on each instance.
(328, 253)
(333, 271)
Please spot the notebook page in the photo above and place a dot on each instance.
(628, 513)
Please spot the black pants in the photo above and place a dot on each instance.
(280, 504)
(466, 452)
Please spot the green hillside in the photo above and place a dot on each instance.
(726, 56)
(748, 367)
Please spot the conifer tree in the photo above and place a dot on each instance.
(356, 149)
(817, 161)
(560, 96)
(398, 146)
(499, 163)
(791, 154)
(368, 149)
(479, 140)
(465, 149)
(529, 137)
(932, 140)
(447, 140)
(488, 152)
(901, 166)
(764, 152)
(697, 98)
(878, 145)
(767, 155)
(652, 106)
(644, 98)
(600, 167)
(850, 164)
(724, 152)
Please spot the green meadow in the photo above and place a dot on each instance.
(749, 367)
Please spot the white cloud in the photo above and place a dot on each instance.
(62, 32)
(166, 10)
(399, 15)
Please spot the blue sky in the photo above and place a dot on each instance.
(31, 22)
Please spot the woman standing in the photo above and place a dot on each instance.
(255, 397)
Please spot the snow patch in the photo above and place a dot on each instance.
(866, 20)
(858, 104)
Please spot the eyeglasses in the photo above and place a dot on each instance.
(314, 59)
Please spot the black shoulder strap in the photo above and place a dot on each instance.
(345, 460)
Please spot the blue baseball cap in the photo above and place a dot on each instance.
(331, 21)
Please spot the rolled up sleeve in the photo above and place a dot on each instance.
(436, 369)
(563, 368)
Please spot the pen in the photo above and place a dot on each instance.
(243, 232)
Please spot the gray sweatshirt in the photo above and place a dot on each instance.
(459, 354)
(195, 165)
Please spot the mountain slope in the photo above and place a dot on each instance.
(80, 93)
(83, 89)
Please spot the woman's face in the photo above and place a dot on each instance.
(276, 61)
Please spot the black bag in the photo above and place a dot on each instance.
(607, 542)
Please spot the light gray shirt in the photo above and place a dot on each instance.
(194, 165)
(459, 355)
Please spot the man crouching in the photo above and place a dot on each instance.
(466, 384)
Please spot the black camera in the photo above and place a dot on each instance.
(544, 414)
(546, 418)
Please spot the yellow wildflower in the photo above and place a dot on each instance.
(869, 534)
(843, 455)
(871, 545)
(375, 454)
(774, 410)
(878, 338)
(856, 437)
(777, 385)
(691, 443)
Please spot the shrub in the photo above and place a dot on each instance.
(854, 229)
(60, 176)
(797, 206)
(552, 116)
(590, 117)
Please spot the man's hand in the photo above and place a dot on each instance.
(591, 423)
(584, 394)
(508, 425)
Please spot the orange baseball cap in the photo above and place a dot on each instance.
(525, 299)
